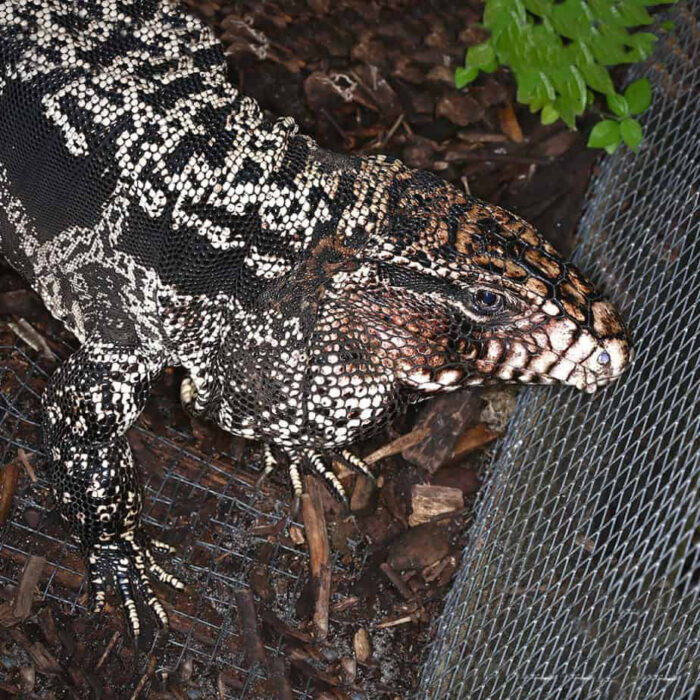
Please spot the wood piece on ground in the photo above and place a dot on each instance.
(22, 302)
(399, 445)
(24, 595)
(362, 645)
(259, 573)
(319, 552)
(474, 438)
(459, 477)
(144, 679)
(221, 686)
(33, 338)
(396, 579)
(299, 658)
(281, 627)
(296, 535)
(108, 649)
(252, 641)
(399, 621)
(47, 625)
(349, 666)
(446, 418)
(280, 685)
(420, 546)
(8, 484)
(364, 495)
(429, 501)
(345, 604)
(27, 464)
(43, 659)
(509, 123)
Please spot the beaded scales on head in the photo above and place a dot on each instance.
(309, 295)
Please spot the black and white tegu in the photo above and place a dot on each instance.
(308, 295)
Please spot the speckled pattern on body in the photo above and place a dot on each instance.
(309, 295)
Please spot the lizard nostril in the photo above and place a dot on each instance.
(604, 358)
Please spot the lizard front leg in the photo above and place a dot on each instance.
(87, 408)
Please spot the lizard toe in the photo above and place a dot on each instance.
(129, 562)
(319, 465)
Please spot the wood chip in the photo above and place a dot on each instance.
(108, 649)
(24, 596)
(33, 338)
(362, 645)
(319, 552)
(296, 535)
(509, 123)
(428, 501)
(252, 641)
(474, 438)
(44, 660)
(144, 679)
(399, 445)
(396, 579)
(420, 546)
(27, 464)
(364, 495)
(445, 418)
(279, 683)
(8, 484)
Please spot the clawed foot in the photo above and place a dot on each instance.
(128, 561)
(320, 466)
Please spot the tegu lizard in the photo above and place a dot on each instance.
(308, 295)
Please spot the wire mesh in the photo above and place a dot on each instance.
(581, 576)
(217, 544)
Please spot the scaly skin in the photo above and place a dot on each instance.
(309, 295)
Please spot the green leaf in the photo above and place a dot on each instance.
(538, 7)
(638, 95)
(631, 132)
(480, 55)
(549, 115)
(642, 44)
(570, 18)
(605, 133)
(612, 147)
(597, 77)
(668, 25)
(490, 67)
(464, 76)
(633, 14)
(618, 105)
(566, 111)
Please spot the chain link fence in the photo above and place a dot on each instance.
(581, 578)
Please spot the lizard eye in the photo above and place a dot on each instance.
(488, 302)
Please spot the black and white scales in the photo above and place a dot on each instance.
(308, 295)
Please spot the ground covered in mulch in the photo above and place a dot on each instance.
(322, 604)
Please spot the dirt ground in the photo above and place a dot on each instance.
(362, 77)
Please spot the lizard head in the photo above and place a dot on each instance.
(456, 292)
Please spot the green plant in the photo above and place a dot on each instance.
(560, 52)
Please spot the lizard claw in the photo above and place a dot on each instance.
(129, 562)
(332, 481)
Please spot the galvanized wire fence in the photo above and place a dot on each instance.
(582, 576)
(190, 489)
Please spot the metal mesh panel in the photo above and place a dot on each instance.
(581, 579)
(217, 546)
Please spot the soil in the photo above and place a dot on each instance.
(362, 77)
